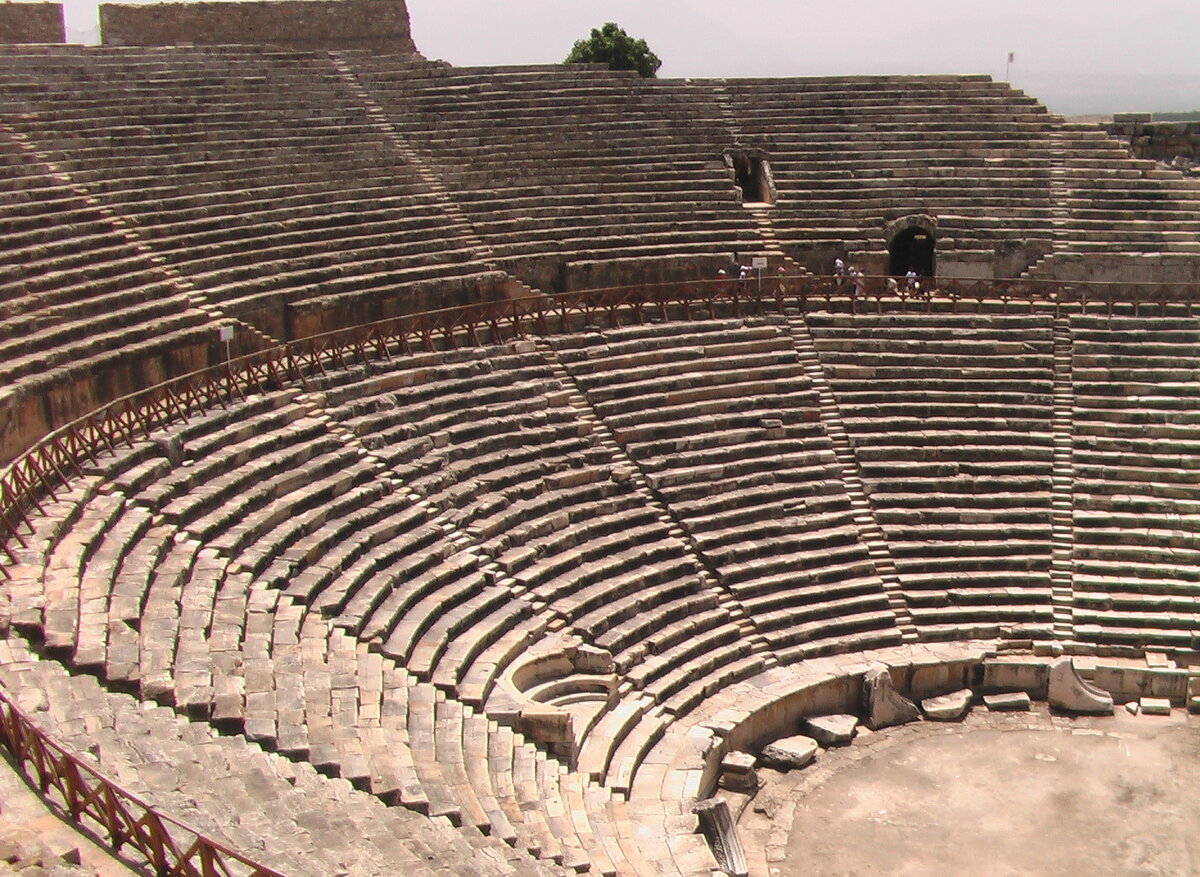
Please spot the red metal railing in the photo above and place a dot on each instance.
(59, 456)
(169, 846)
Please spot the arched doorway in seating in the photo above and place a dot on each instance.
(911, 245)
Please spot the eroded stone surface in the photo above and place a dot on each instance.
(790, 752)
(1009, 702)
(883, 705)
(835, 730)
(948, 707)
(1155, 706)
(738, 773)
(1069, 692)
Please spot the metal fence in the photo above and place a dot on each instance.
(57, 457)
(53, 461)
(169, 846)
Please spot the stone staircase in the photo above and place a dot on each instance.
(864, 517)
(1063, 480)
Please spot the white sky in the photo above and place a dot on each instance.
(1076, 56)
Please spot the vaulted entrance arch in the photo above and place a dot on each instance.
(912, 249)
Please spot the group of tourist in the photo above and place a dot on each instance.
(841, 273)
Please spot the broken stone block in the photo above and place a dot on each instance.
(717, 824)
(948, 707)
(1132, 707)
(546, 724)
(590, 659)
(790, 752)
(1010, 702)
(1155, 706)
(738, 773)
(1071, 693)
(883, 705)
(836, 730)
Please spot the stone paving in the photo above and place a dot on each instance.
(1028, 793)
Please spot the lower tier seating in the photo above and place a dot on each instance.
(354, 571)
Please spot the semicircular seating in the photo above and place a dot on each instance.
(517, 588)
(349, 572)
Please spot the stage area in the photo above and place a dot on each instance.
(1029, 795)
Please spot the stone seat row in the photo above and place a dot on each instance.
(194, 688)
(300, 821)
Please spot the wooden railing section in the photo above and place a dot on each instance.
(60, 455)
(170, 847)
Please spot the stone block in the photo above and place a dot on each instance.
(1010, 702)
(590, 659)
(546, 724)
(716, 822)
(835, 730)
(1067, 691)
(1155, 706)
(1031, 677)
(948, 707)
(883, 705)
(790, 752)
(738, 773)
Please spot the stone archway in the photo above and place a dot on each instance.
(912, 243)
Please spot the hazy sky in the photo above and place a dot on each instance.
(1077, 57)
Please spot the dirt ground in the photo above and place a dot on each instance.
(998, 796)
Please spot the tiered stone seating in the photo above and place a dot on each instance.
(259, 176)
(1119, 204)
(723, 421)
(1135, 552)
(220, 567)
(476, 441)
(950, 417)
(286, 814)
(556, 165)
(348, 572)
(849, 152)
(77, 295)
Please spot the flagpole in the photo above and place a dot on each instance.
(1007, 67)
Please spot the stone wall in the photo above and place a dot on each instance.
(32, 23)
(377, 26)
(1161, 141)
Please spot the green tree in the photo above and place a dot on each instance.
(612, 46)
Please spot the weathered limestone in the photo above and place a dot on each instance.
(1155, 706)
(883, 706)
(738, 773)
(950, 707)
(835, 730)
(1010, 702)
(717, 824)
(1070, 693)
(791, 752)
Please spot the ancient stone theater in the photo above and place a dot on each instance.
(541, 470)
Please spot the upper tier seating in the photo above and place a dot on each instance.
(849, 154)
(258, 176)
(571, 164)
